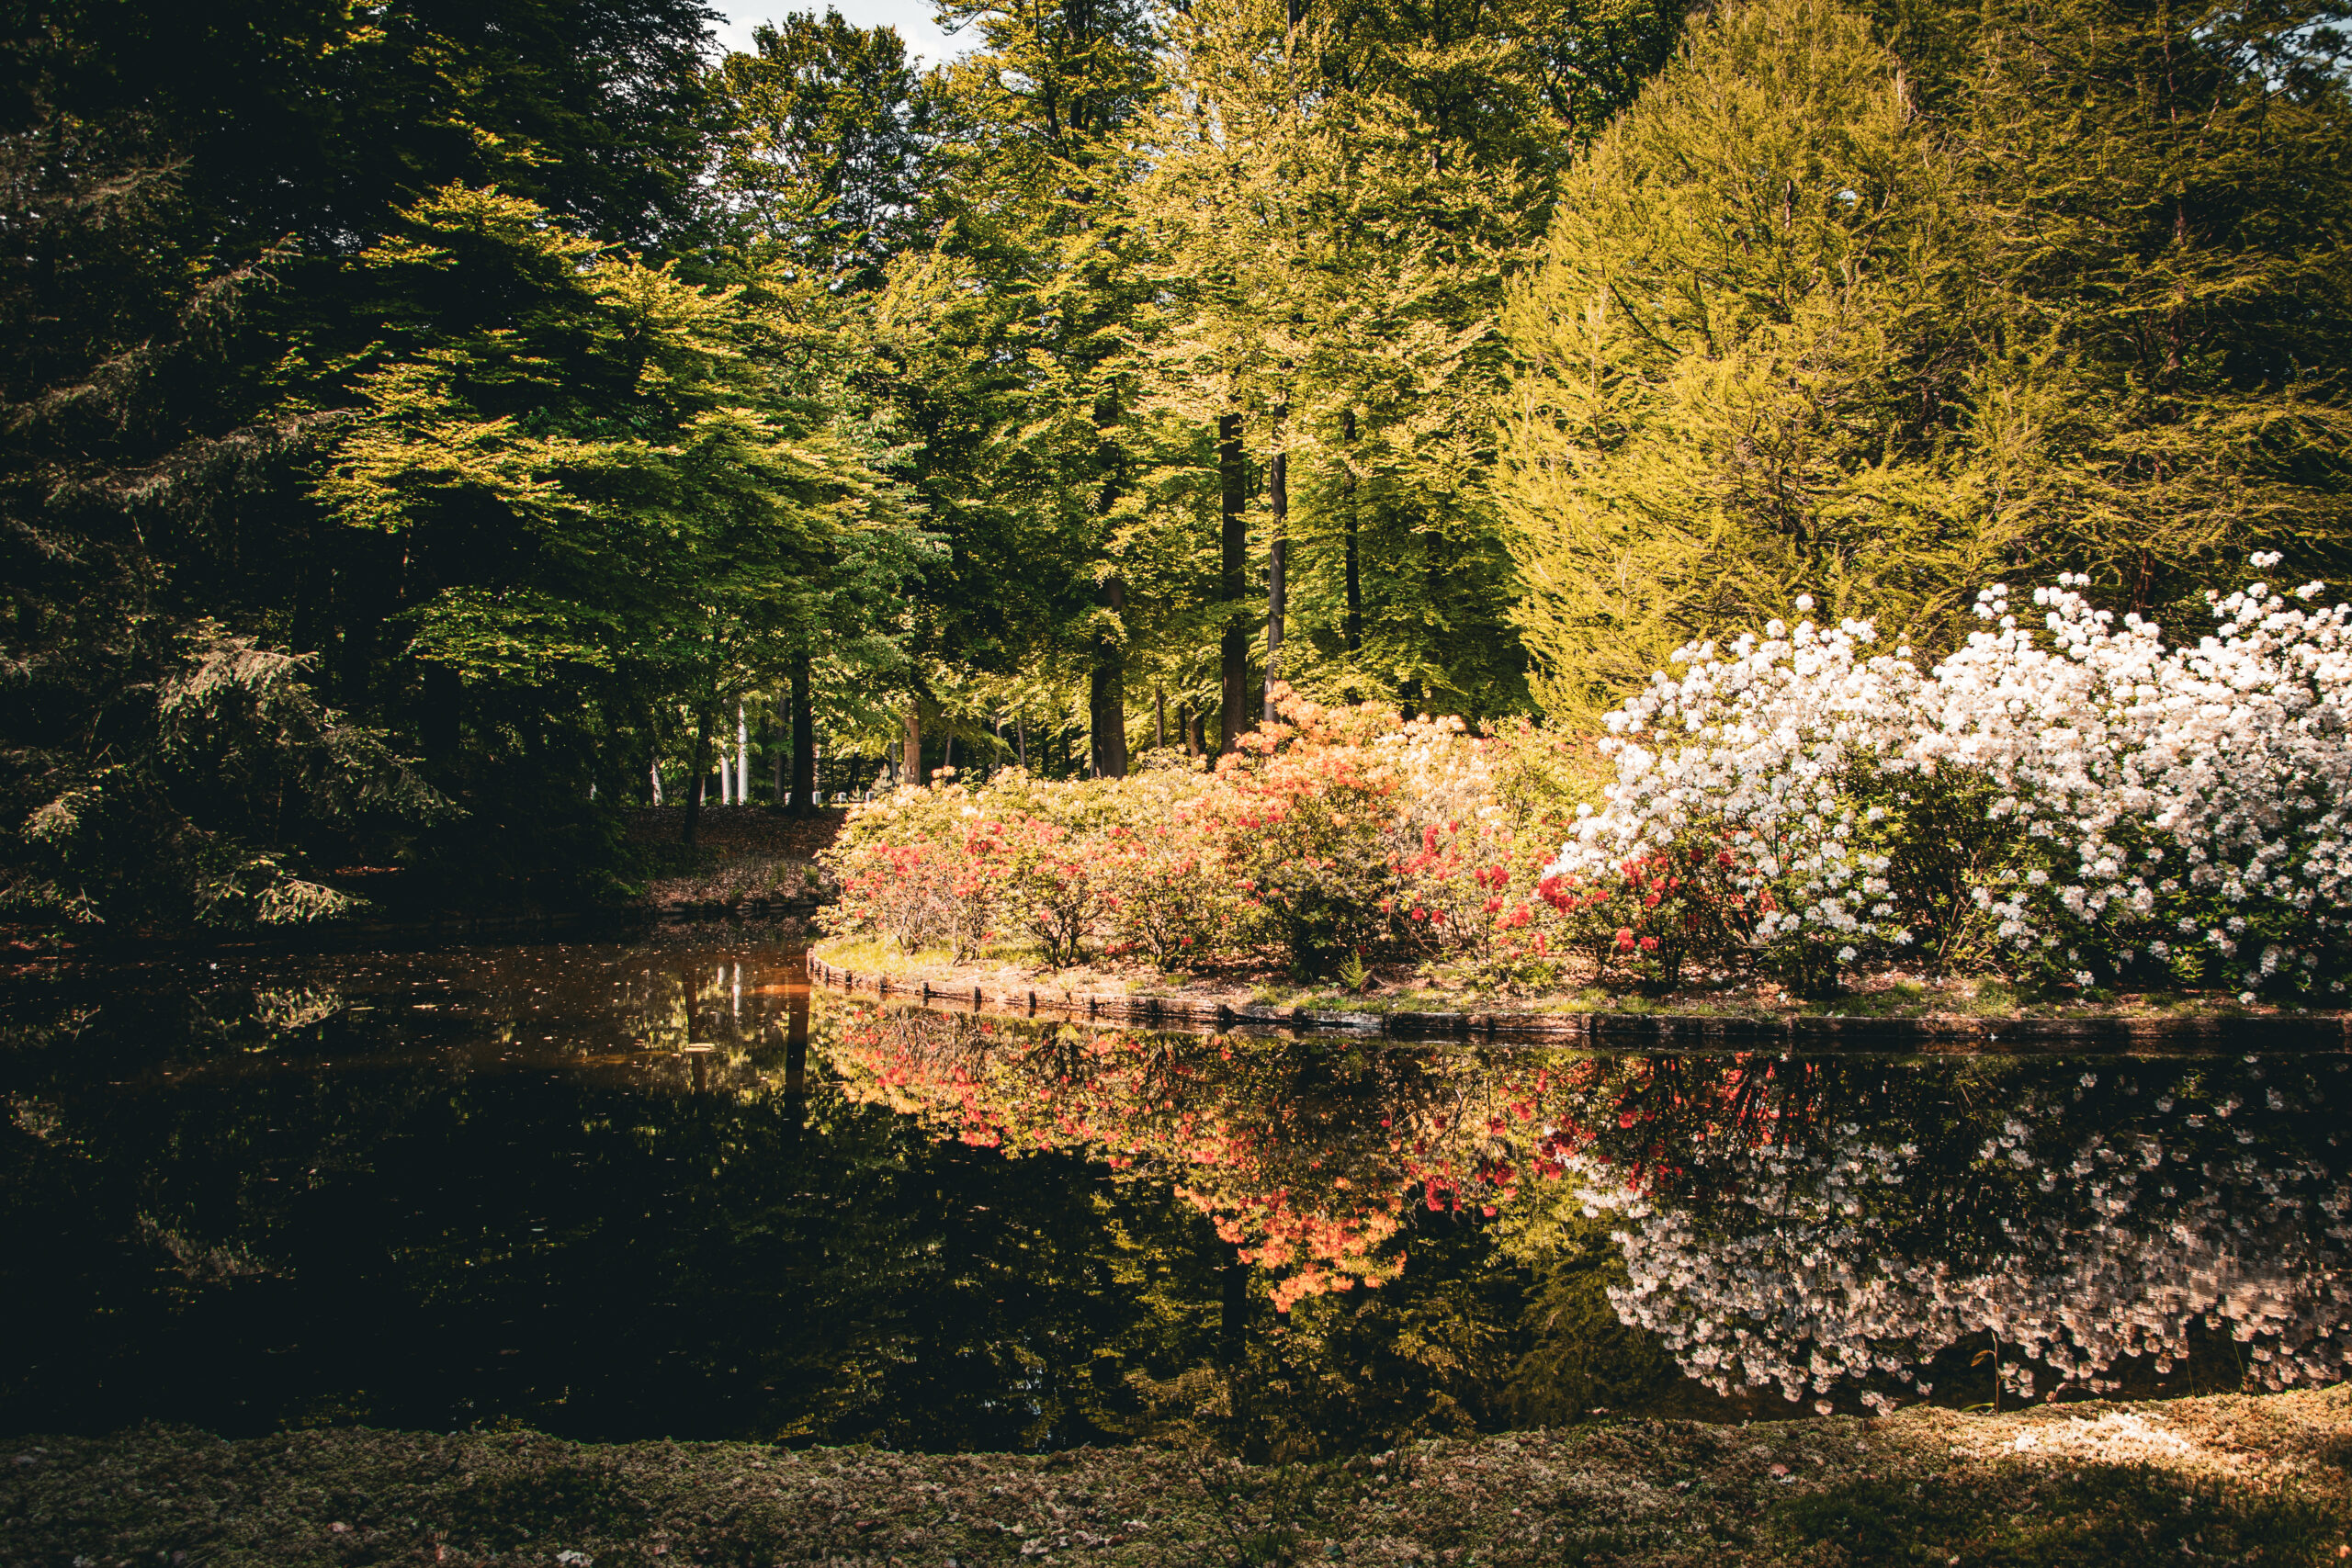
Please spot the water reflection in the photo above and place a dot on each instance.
(1828, 1226)
(632, 1191)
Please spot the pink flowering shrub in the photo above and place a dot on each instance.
(1334, 831)
(1168, 896)
(1641, 921)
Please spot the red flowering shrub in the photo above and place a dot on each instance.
(1651, 913)
(1299, 818)
(1052, 886)
(1336, 831)
(923, 892)
(1169, 894)
(1484, 817)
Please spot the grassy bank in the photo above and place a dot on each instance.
(2231, 1479)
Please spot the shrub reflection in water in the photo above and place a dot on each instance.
(1823, 1227)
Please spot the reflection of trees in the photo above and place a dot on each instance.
(268, 1198)
(1855, 1221)
(443, 1237)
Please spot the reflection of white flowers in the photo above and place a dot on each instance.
(2134, 774)
(1800, 1284)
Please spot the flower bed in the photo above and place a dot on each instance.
(2074, 813)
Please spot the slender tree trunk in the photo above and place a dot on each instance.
(1232, 585)
(779, 750)
(1021, 738)
(910, 771)
(1106, 697)
(803, 739)
(742, 755)
(655, 769)
(699, 771)
(1277, 586)
(1158, 716)
(1353, 628)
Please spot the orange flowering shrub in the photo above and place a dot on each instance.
(1330, 832)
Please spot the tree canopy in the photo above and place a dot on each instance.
(432, 430)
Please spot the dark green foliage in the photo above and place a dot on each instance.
(313, 120)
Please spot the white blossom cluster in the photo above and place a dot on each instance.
(2140, 801)
(1806, 1280)
(1753, 747)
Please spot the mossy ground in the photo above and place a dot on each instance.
(2231, 1479)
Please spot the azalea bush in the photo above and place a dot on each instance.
(2084, 804)
(1333, 834)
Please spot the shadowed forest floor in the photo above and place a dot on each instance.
(739, 853)
(2229, 1478)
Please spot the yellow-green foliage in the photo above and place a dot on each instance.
(1729, 390)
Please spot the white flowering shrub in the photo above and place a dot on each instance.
(1750, 761)
(2076, 801)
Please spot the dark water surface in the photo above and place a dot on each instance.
(624, 1191)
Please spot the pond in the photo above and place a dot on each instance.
(659, 1190)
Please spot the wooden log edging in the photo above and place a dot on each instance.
(1637, 1032)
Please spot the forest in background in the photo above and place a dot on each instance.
(427, 430)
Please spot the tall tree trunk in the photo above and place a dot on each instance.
(1353, 629)
(1021, 737)
(1277, 562)
(779, 753)
(699, 771)
(742, 756)
(910, 771)
(803, 739)
(1233, 585)
(654, 768)
(1106, 697)
(1158, 716)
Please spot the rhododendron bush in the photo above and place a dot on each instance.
(1336, 832)
(2083, 802)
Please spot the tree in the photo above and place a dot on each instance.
(827, 145)
(1335, 193)
(598, 473)
(1743, 373)
(2075, 303)
(1007, 336)
(2165, 199)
